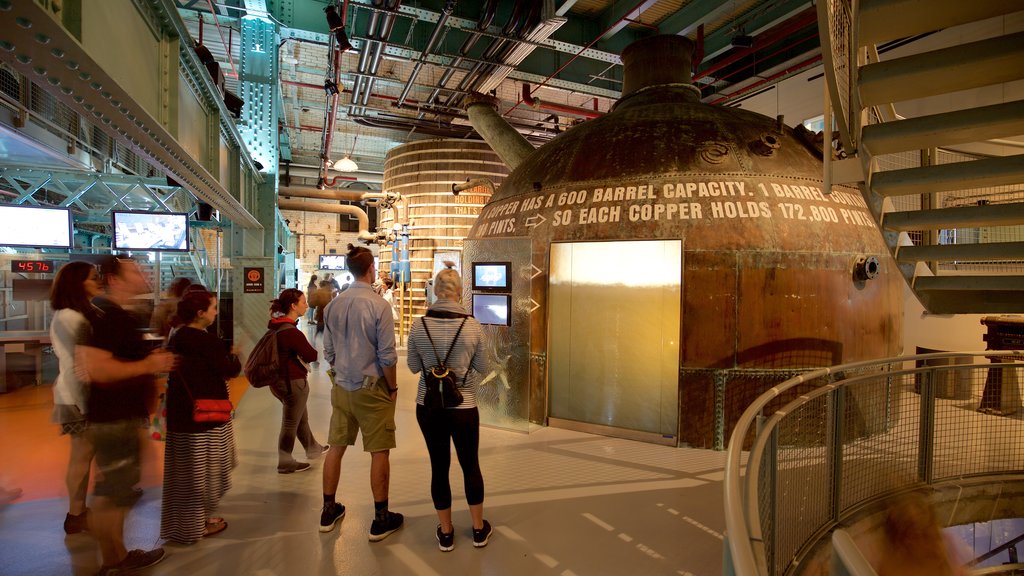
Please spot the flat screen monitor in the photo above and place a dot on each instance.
(36, 227)
(151, 231)
(491, 276)
(333, 262)
(492, 309)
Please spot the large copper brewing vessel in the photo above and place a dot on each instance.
(778, 275)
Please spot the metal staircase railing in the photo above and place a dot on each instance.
(953, 220)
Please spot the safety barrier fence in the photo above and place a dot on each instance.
(846, 436)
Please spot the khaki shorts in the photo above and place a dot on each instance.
(367, 410)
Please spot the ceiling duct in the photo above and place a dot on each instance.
(549, 23)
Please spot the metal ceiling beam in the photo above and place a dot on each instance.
(620, 13)
(719, 41)
(38, 47)
(686, 20)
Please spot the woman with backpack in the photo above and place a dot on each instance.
(449, 336)
(295, 354)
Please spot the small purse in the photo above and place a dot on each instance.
(208, 409)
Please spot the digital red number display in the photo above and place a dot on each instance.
(32, 266)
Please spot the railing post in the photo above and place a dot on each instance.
(834, 419)
(719, 440)
(926, 431)
(771, 472)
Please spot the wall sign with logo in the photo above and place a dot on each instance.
(254, 280)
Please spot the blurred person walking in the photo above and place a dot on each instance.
(120, 368)
(165, 314)
(309, 291)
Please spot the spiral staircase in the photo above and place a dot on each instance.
(947, 189)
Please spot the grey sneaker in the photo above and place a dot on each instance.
(291, 468)
(381, 529)
(446, 542)
(331, 515)
(318, 452)
(483, 535)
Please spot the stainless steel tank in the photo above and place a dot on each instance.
(775, 274)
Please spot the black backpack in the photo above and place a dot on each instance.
(263, 368)
(442, 390)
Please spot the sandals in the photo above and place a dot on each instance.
(214, 526)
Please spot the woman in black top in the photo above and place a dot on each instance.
(199, 455)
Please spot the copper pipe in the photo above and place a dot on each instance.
(536, 103)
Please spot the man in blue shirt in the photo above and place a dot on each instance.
(359, 344)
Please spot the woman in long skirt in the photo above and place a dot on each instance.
(199, 456)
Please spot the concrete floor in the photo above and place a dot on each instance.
(562, 503)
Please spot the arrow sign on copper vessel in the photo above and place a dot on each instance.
(532, 220)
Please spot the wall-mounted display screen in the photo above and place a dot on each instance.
(151, 231)
(35, 227)
(492, 309)
(491, 276)
(333, 262)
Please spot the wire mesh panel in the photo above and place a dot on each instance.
(981, 434)
(803, 479)
(880, 437)
(838, 52)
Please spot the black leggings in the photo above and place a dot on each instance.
(441, 429)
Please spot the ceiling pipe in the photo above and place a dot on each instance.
(516, 20)
(481, 26)
(439, 31)
(389, 200)
(747, 89)
(537, 104)
(778, 34)
(332, 113)
(365, 50)
(364, 220)
(582, 50)
(505, 140)
(304, 192)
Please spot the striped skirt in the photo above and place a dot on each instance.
(197, 474)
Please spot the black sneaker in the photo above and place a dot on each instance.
(482, 536)
(75, 524)
(381, 529)
(290, 468)
(446, 542)
(331, 515)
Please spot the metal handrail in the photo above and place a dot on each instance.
(743, 528)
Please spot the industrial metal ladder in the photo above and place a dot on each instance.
(922, 208)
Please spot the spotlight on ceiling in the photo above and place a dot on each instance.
(742, 41)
